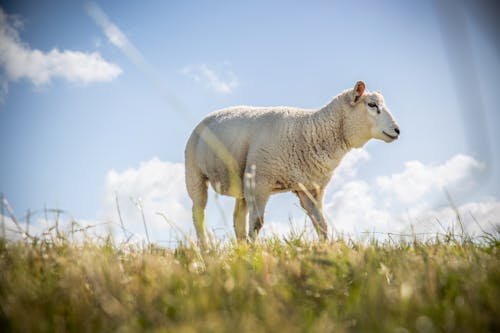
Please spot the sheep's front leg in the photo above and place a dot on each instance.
(257, 201)
(312, 202)
(239, 218)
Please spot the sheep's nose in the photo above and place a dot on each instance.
(396, 130)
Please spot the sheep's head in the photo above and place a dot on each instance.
(369, 109)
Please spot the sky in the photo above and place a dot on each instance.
(97, 100)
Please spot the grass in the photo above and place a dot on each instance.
(276, 285)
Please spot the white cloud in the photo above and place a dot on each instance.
(51, 224)
(18, 60)
(120, 40)
(349, 165)
(224, 82)
(115, 35)
(155, 187)
(418, 179)
(9, 228)
(475, 216)
(354, 208)
(111, 30)
(359, 206)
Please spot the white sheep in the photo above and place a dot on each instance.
(250, 153)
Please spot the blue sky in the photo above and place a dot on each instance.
(98, 99)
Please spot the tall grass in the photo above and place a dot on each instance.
(276, 285)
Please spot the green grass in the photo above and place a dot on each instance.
(276, 285)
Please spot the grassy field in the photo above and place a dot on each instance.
(291, 285)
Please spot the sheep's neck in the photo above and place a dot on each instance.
(325, 132)
(356, 136)
(349, 131)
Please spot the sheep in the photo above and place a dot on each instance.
(250, 153)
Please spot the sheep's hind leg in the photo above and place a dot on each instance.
(239, 218)
(199, 224)
(312, 203)
(197, 189)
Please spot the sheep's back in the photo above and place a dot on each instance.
(240, 130)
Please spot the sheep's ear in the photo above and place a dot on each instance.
(359, 90)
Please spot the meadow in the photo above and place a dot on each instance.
(446, 283)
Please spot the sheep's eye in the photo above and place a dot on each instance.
(373, 105)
